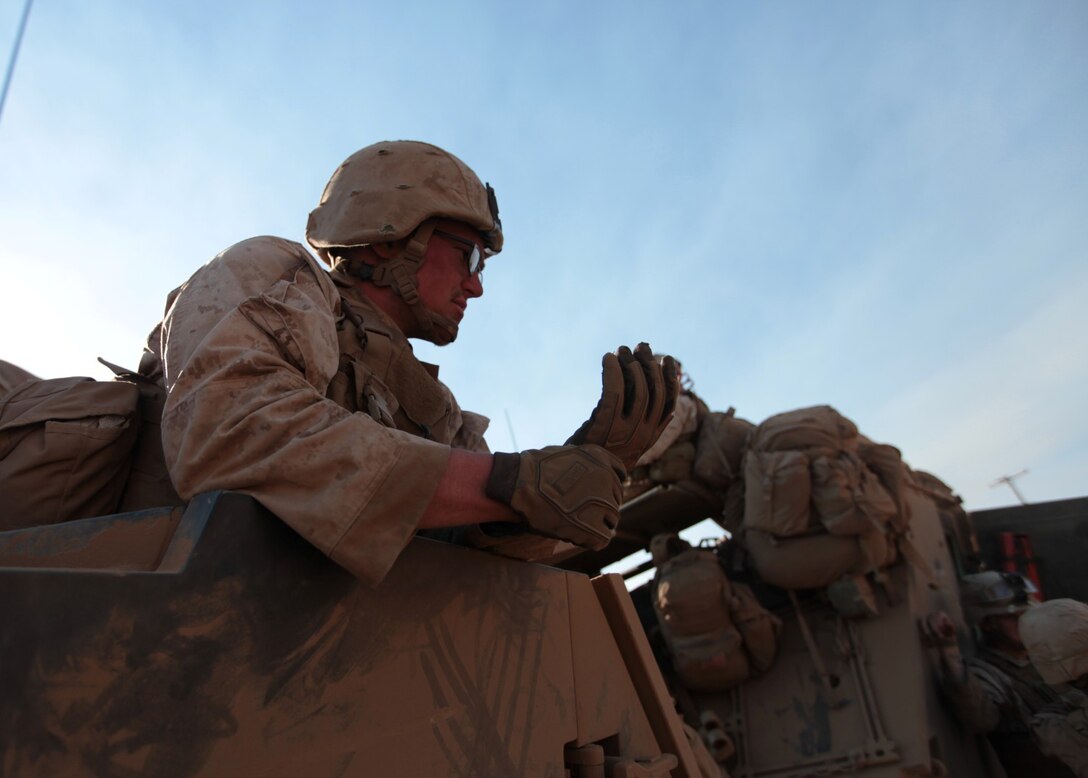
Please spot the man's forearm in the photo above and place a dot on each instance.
(460, 498)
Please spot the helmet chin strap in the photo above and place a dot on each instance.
(399, 274)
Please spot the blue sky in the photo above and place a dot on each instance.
(880, 206)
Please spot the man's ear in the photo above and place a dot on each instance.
(387, 251)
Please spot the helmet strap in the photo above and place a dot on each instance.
(399, 274)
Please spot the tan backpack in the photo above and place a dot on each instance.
(821, 500)
(817, 558)
(777, 477)
(814, 431)
(65, 449)
(848, 497)
(707, 622)
(777, 492)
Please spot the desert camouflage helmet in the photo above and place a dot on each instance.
(385, 191)
(1055, 634)
(399, 189)
(995, 594)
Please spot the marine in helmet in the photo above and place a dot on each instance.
(997, 690)
(376, 220)
(293, 380)
(1055, 636)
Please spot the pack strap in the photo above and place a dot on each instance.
(829, 681)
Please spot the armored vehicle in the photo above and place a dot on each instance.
(212, 640)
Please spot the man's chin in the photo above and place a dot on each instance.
(443, 331)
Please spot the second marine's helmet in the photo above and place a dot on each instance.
(995, 594)
(398, 189)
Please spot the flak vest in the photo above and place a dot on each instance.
(380, 376)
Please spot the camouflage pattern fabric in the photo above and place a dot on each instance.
(1062, 732)
(11, 376)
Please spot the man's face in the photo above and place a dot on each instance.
(1003, 630)
(445, 284)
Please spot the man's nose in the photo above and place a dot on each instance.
(473, 285)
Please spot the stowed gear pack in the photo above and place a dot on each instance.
(717, 632)
(72, 448)
(397, 190)
(65, 446)
(821, 500)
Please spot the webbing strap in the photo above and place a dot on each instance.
(404, 269)
(829, 681)
(399, 274)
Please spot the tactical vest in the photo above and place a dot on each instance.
(381, 377)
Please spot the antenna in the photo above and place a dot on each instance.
(14, 55)
(510, 425)
(1009, 479)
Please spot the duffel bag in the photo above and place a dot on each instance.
(65, 449)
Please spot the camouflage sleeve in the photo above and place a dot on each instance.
(13, 375)
(248, 350)
(1065, 737)
(470, 435)
(982, 698)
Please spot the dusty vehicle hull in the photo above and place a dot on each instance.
(214, 641)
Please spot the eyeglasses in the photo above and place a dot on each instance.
(474, 259)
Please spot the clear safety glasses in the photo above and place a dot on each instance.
(474, 258)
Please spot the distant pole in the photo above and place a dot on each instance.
(1010, 480)
(14, 55)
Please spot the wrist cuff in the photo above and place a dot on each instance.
(504, 477)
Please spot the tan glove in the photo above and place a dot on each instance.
(637, 399)
(568, 492)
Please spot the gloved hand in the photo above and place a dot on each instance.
(637, 399)
(568, 492)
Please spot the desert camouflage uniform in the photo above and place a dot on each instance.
(998, 696)
(286, 384)
(1062, 731)
(12, 376)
